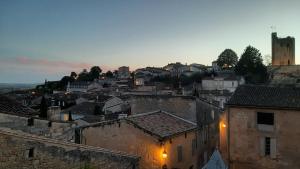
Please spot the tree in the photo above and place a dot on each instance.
(84, 76)
(227, 59)
(73, 75)
(64, 81)
(116, 73)
(109, 74)
(43, 108)
(95, 72)
(251, 66)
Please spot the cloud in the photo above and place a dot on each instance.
(51, 63)
(50, 66)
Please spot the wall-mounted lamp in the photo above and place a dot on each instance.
(164, 154)
(223, 125)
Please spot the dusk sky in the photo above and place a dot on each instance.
(47, 39)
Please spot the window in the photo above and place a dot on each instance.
(265, 118)
(267, 146)
(77, 136)
(29, 153)
(179, 153)
(30, 122)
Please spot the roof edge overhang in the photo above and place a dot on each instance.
(262, 107)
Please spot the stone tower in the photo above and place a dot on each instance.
(283, 50)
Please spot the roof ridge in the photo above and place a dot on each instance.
(178, 117)
(144, 114)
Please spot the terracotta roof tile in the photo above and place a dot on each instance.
(162, 124)
(266, 96)
(11, 106)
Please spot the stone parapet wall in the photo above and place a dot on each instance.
(25, 151)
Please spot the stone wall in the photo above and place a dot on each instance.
(245, 139)
(124, 136)
(42, 127)
(182, 106)
(24, 151)
(208, 116)
(283, 50)
(285, 75)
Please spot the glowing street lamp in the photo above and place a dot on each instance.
(164, 154)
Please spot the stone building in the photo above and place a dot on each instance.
(218, 89)
(15, 116)
(283, 50)
(123, 72)
(23, 150)
(222, 82)
(182, 106)
(208, 116)
(160, 139)
(260, 128)
(288, 75)
(84, 86)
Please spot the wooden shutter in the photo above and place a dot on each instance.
(273, 147)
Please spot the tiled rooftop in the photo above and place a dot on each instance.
(11, 106)
(266, 96)
(162, 124)
(87, 108)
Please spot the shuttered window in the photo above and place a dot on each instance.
(273, 148)
(268, 147)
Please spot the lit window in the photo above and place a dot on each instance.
(66, 117)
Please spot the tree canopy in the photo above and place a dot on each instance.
(251, 66)
(65, 80)
(227, 59)
(109, 74)
(95, 72)
(73, 75)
